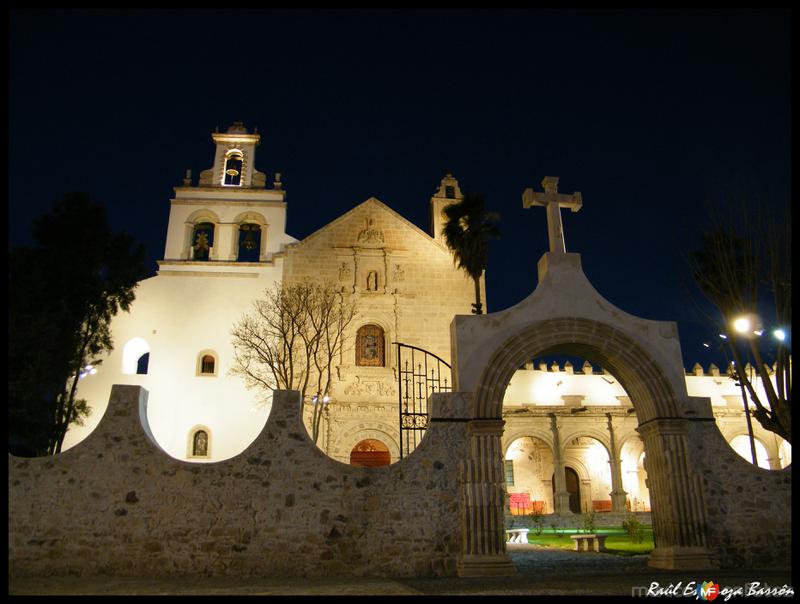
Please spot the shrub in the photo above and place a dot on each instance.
(589, 522)
(553, 527)
(537, 520)
(633, 527)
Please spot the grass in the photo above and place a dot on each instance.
(617, 540)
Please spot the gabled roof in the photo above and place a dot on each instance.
(377, 203)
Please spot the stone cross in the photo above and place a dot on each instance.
(553, 201)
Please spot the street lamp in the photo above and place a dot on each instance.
(747, 326)
(741, 325)
(320, 404)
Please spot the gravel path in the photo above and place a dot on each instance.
(541, 571)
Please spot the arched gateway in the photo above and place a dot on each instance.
(566, 315)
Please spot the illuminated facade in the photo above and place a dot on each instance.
(227, 242)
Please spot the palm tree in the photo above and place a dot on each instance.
(467, 232)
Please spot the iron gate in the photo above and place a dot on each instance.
(419, 374)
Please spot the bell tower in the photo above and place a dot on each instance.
(448, 192)
(234, 161)
(230, 221)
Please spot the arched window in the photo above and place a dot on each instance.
(249, 243)
(135, 356)
(143, 363)
(200, 444)
(207, 363)
(369, 346)
(202, 240)
(233, 169)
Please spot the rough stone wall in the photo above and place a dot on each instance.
(117, 504)
(749, 509)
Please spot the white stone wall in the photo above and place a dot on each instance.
(180, 317)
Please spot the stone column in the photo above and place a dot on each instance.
(483, 546)
(262, 252)
(774, 454)
(676, 498)
(214, 252)
(561, 495)
(618, 494)
(186, 250)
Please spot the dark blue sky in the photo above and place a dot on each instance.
(649, 113)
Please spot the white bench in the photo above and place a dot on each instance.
(586, 543)
(518, 535)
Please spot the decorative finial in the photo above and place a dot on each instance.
(277, 184)
(187, 181)
(216, 129)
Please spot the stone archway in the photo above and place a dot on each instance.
(566, 316)
(678, 509)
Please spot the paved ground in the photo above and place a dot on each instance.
(541, 571)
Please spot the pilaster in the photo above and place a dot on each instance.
(676, 498)
(483, 546)
(618, 494)
(561, 495)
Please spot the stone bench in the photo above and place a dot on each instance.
(519, 535)
(586, 543)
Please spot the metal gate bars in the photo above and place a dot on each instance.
(419, 374)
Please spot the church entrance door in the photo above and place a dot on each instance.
(369, 453)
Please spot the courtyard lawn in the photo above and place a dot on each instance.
(617, 541)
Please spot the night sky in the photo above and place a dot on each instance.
(648, 113)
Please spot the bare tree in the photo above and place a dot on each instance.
(292, 340)
(744, 265)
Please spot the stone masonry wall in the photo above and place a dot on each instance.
(749, 509)
(118, 504)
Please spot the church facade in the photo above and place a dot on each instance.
(227, 242)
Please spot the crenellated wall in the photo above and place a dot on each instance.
(117, 504)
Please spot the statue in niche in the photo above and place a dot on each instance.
(200, 448)
(344, 272)
(372, 281)
(399, 274)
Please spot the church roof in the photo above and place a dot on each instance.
(374, 201)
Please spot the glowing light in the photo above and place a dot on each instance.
(723, 336)
(706, 344)
(758, 332)
(742, 325)
(326, 399)
(92, 371)
(780, 334)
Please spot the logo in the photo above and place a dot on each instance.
(708, 590)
